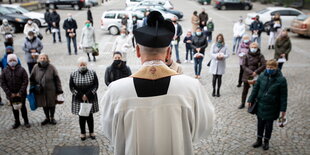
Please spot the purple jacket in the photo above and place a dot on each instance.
(243, 48)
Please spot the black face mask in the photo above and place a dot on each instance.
(117, 63)
(43, 64)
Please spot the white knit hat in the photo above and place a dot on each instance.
(11, 56)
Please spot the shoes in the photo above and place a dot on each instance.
(198, 77)
(218, 93)
(269, 47)
(178, 61)
(186, 61)
(272, 46)
(83, 137)
(60, 41)
(213, 93)
(27, 125)
(266, 144)
(53, 121)
(16, 125)
(234, 53)
(54, 41)
(192, 61)
(239, 85)
(92, 136)
(94, 59)
(241, 106)
(258, 143)
(46, 121)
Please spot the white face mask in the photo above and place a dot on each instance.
(29, 22)
(30, 37)
(12, 63)
(123, 35)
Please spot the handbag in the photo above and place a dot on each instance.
(40, 36)
(209, 63)
(95, 50)
(38, 87)
(32, 101)
(85, 109)
(16, 103)
(253, 109)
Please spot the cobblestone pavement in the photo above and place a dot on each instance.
(234, 130)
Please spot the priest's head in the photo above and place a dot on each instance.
(153, 40)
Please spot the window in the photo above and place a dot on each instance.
(282, 13)
(294, 13)
(121, 15)
(110, 15)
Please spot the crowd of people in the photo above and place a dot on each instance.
(157, 82)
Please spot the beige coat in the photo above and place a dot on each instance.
(195, 22)
(176, 67)
(50, 82)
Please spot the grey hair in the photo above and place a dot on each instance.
(44, 54)
(82, 60)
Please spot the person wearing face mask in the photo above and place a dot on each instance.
(219, 54)
(239, 30)
(32, 48)
(117, 70)
(7, 31)
(275, 26)
(31, 26)
(270, 103)
(257, 27)
(283, 47)
(243, 49)
(44, 78)
(83, 85)
(70, 27)
(14, 82)
(88, 40)
(8, 50)
(199, 45)
(55, 20)
(253, 64)
(176, 38)
(122, 43)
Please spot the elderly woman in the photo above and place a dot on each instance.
(88, 39)
(253, 64)
(14, 82)
(84, 85)
(283, 47)
(44, 77)
(32, 48)
(270, 102)
(243, 49)
(219, 54)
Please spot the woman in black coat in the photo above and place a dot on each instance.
(117, 70)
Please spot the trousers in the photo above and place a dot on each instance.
(24, 113)
(90, 123)
(264, 128)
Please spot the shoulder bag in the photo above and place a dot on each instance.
(209, 63)
(253, 109)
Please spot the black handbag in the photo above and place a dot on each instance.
(40, 36)
(209, 63)
(253, 109)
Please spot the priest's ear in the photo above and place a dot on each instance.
(138, 51)
(168, 53)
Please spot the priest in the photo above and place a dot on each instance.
(156, 111)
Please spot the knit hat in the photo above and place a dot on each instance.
(11, 57)
(9, 48)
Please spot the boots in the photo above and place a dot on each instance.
(16, 125)
(258, 143)
(241, 106)
(272, 47)
(46, 121)
(213, 93)
(266, 144)
(269, 47)
(218, 92)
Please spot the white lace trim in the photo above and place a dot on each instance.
(153, 63)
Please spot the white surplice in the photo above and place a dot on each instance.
(160, 125)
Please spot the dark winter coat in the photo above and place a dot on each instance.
(114, 73)
(271, 95)
(179, 32)
(14, 81)
(84, 83)
(257, 25)
(50, 82)
(47, 16)
(199, 42)
(203, 17)
(253, 62)
(70, 24)
(187, 45)
(54, 17)
(282, 46)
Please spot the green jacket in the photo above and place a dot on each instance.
(270, 92)
(282, 46)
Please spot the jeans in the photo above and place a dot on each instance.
(30, 66)
(258, 40)
(209, 35)
(240, 75)
(264, 126)
(198, 65)
(24, 113)
(236, 43)
(90, 123)
(54, 36)
(189, 51)
(49, 27)
(69, 44)
(176, 51)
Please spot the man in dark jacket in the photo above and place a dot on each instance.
(257, 27)
(47, 19)
(253, 64)
(203, 18)
(117, 70)
(270, 95)
(176, 38)
(55, 19)
(14, 82)
(70, 27)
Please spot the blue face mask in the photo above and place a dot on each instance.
(219, 44)
(246, 41)
(270, 71)
(253, 50)
(198, 33)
